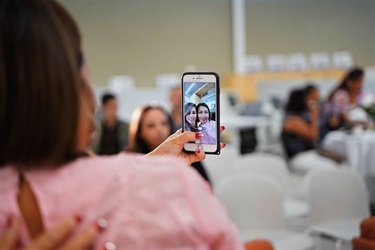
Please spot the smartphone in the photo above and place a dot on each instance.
(201, 110)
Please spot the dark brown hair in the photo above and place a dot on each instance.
(202, 104)
(40, 58)
(136, 142)
(309, 88)
(107, 97)
(352, 75)
(296, 102)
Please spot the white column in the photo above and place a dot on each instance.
(239, 35)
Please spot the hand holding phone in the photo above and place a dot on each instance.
(201, 110)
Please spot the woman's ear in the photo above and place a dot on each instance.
(84, 72)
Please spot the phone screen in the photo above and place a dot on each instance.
(200, 110)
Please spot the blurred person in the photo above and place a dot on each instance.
(343, 99)
(149, 127)
(300, 131)
(113, 132)
(175, 98)
(46, 175)
(205, 125)
(300, 127)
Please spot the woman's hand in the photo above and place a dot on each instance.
(54, 238)
(174, 145)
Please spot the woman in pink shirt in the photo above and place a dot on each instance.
(343, 99)
(205, 125)
(149, 202)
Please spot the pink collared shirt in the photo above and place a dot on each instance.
(150, 203)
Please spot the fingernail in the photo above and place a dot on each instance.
(109, 246)
(78, 218)
(198, 151)
(222, 127)
(101, 224)
(9, 222)
(198, 135)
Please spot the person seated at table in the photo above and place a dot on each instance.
(300, 129)
(113, 131)
(300, 126)
(343, 99)
(205, 125)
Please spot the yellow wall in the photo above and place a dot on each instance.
(246, 85)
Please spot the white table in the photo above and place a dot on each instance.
(359, 150)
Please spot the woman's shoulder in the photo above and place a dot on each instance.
(109, 180)
(94, 176)
(292, 116)
(126, 163)
(292, 121)
(154, 203)
(99, 166)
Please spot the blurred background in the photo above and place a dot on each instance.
(145, 38)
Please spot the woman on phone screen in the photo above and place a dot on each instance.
(205, 125)
(190, 114)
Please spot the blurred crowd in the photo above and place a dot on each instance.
(308, 119)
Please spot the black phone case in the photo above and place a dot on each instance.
(217, 152)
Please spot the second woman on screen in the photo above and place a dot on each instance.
(205, 125)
